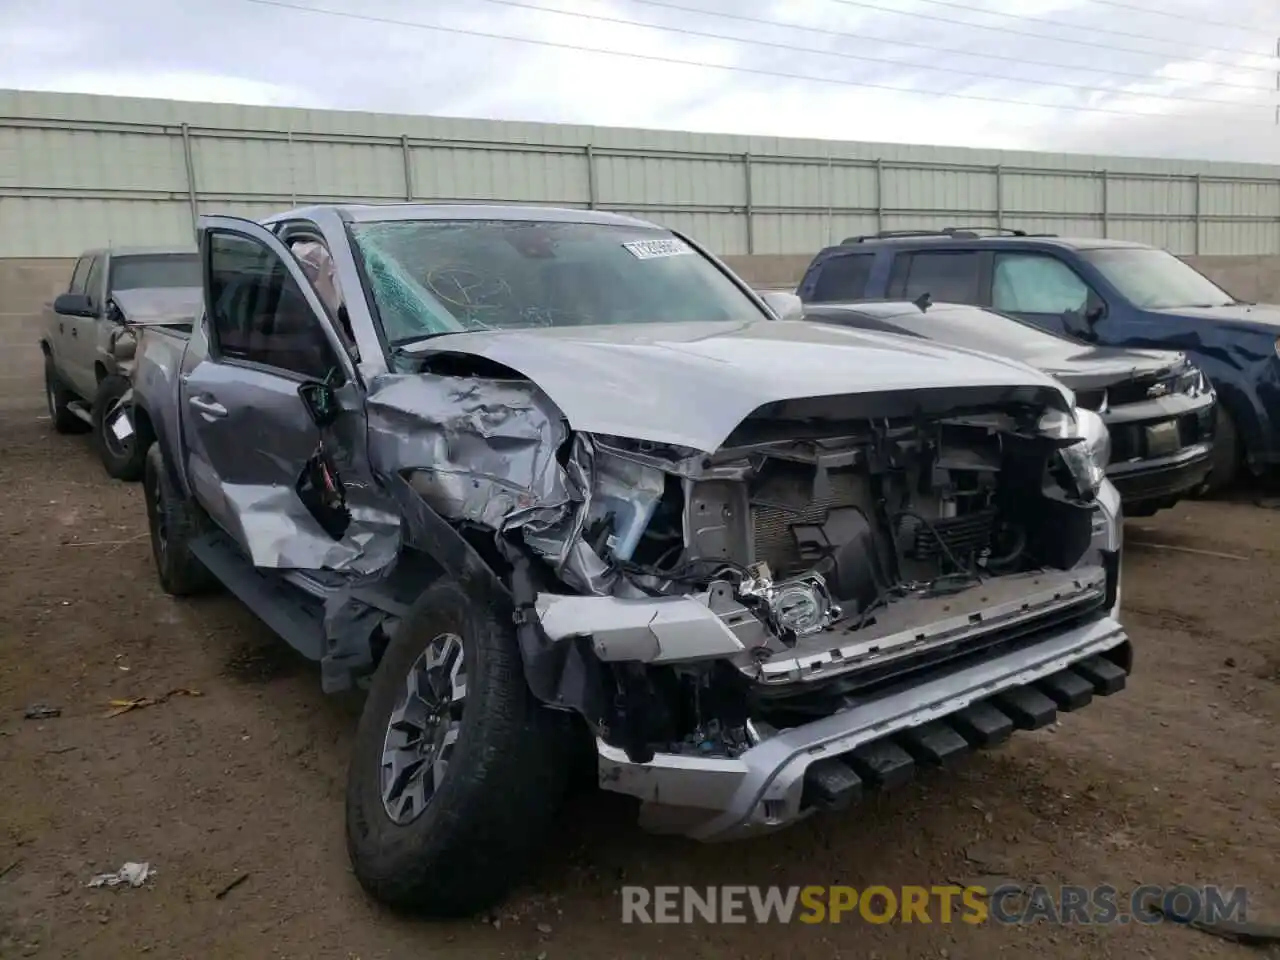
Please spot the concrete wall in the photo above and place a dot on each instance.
(80, 171)
(25, 285)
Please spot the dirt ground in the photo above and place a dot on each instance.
(1177, 780)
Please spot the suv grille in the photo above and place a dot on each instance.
(1137, 390)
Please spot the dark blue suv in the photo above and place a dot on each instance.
(1104, 292)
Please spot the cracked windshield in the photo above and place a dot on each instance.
(431, 277)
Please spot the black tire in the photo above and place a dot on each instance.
(483, 827)
(57, 397)
(175, 523)
(123, 459)
(1227, 455)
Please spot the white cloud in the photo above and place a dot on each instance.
(237, 51)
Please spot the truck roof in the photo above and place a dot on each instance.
(380, 212)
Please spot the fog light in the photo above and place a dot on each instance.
(800, 607)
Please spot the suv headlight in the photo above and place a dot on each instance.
(1192, 382)
(1088, 458)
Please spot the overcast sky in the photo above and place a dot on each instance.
(250, 52)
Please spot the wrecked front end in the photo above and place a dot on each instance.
(847, 587)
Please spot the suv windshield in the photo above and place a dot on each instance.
(443, 276)
(1156, 279)
(135, 271)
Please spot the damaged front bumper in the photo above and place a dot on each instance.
(786, 776)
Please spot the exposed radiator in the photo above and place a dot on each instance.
(771, 524)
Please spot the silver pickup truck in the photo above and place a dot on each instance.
(541, 477)
(85, 386)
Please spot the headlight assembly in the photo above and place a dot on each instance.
(1087, 459)
(1192, 382)
(1097, 438)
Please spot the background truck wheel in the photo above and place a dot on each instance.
(457, 771)
(175, 522)
(123, 459)
(56, 398)
(1226, 456)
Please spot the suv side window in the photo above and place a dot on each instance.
(843, 277)
(945, 275)
(1036, 283)
(80, 274)
(93, 283)
(258, 313)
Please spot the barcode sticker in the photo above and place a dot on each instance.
(653, 249)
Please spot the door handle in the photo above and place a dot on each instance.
(75, 332)
(210, 408)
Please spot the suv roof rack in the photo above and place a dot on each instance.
(959, 233)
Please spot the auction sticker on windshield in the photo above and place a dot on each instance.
(652, 249)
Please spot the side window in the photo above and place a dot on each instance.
(1035, 283)
(843, 278)
(79, 275)
(93, 283)
(946, 276)
(259, 313)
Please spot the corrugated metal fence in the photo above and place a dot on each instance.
(78, 171)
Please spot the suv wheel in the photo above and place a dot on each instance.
(123, 457)
(457, 771)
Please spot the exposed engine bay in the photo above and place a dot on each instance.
(839, 565)
(817, 555)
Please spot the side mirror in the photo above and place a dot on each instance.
(783, 305)
(73, 305)
(321, 402)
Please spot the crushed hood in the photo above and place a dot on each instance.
(149, 305)
(691, 384)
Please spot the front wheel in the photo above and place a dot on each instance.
(457, 771)
(122, 440)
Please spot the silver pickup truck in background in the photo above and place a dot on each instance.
(85, 386)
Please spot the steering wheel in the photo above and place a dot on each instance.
(467, 289)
